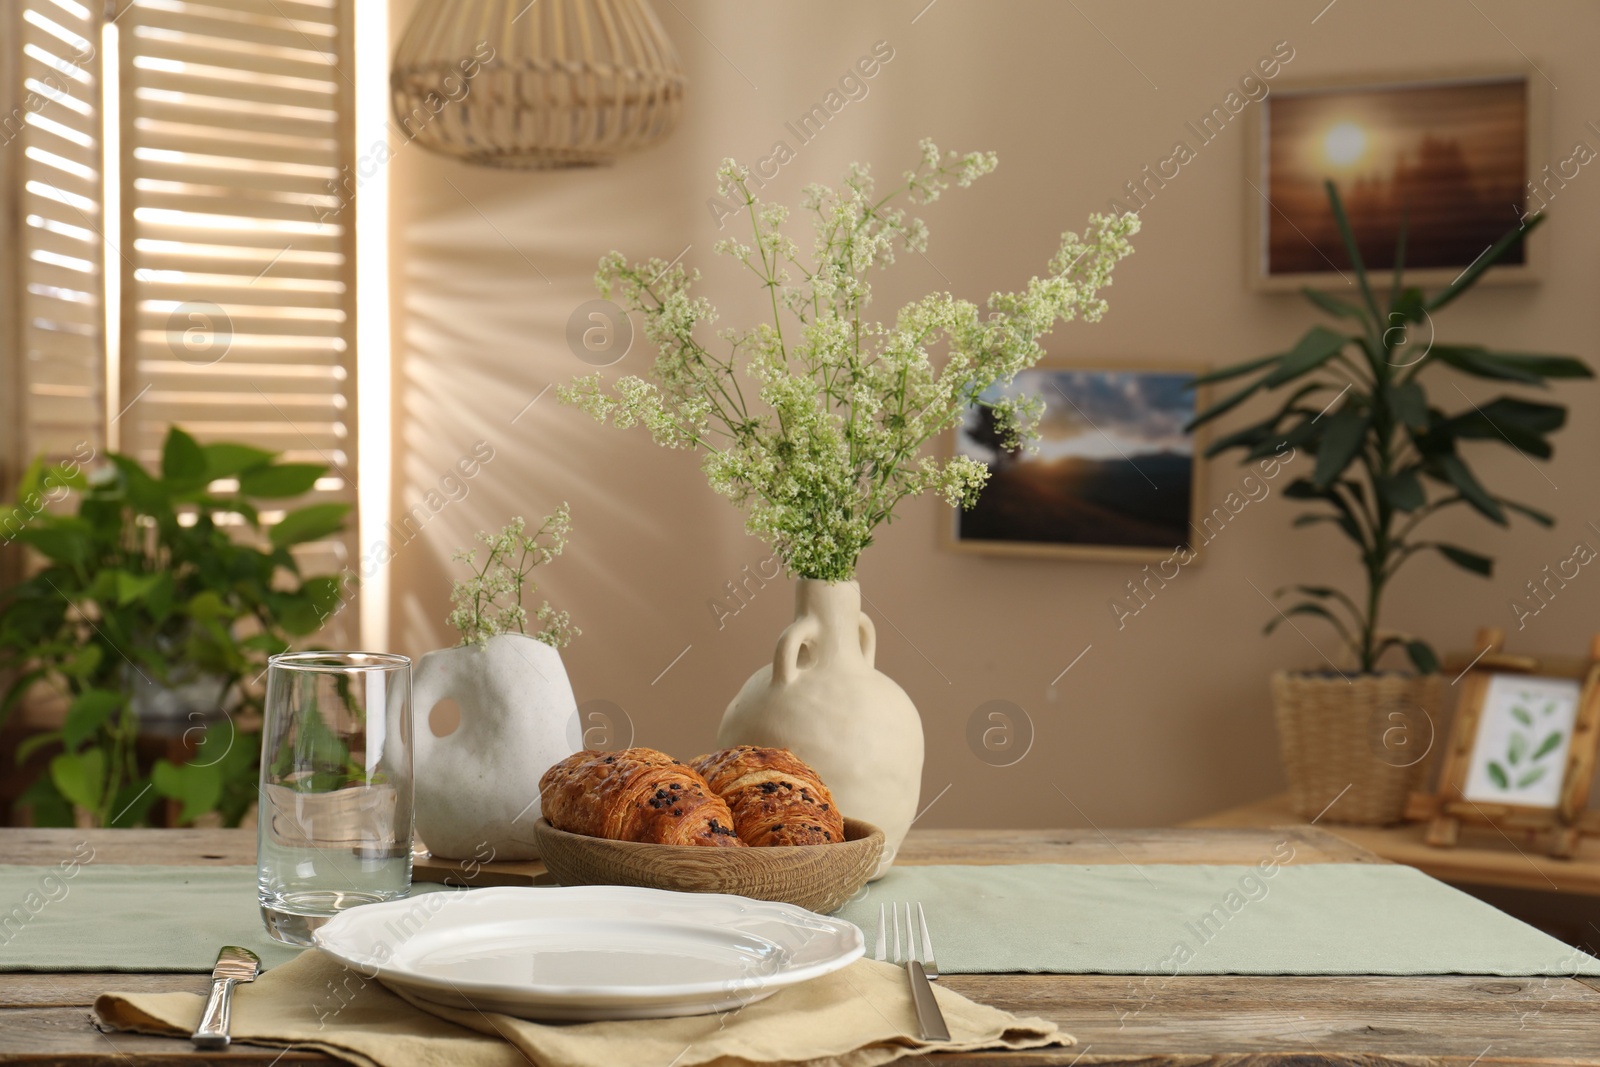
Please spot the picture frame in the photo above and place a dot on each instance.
(1522, 749)
(1446, 136)
(1028, 511)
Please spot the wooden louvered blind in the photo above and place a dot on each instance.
(51, 131)
(231, 241)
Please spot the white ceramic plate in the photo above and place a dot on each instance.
(590, 952)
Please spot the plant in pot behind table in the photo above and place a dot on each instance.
(478, 786)
(1385, 459)
(817, 422)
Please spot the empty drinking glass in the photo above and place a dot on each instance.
(334, 828)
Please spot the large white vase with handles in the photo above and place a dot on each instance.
(822, 698)
(477, 788)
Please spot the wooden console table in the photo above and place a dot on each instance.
(1485, 855)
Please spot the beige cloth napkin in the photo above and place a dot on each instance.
(861, 1016)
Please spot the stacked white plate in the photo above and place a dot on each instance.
(588, 953)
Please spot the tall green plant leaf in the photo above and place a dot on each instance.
(1467, 278)
(1341, 443)
(182, 459)
(1353, 250)
(1319, 345)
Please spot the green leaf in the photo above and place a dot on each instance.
(63, 540)
(1540, 517)
(132, 587)
(226, 458)
(1225, 405)
(1497, 775)
(1528, 415)
(1254, 435)
(1399, 257)
(309, 524)
(1409, 404)
(1551, 742)
(206, 604)
(132, 804)
(1522, 716)
(146, 494)
(1350, 247)
(1516, 748)
(198, 787)
(1341, 442)
(1465, 280)
(280, 480)
(1308, 608)
(1422, 657)
(87, 714)
(1331, 305)
(82, 663)
(182, 458)
(1531, 369)
(1470, 561)
(1532, 776)
(1233, 370)
(1457, 474)
(80, 776)
(34, 742)
(1402, 490)
(1319, 345)
(1407, 305)
(50, 808)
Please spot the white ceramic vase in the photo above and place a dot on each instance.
(822, 699)
(477, 788)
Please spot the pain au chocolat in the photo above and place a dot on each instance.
(776, 799)
(637, 794)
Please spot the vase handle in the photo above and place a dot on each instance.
(786, 660)
(430, 683)
(869, 641)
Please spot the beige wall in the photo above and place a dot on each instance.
(1163, 720)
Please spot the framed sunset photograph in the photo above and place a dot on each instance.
(1453, 157)
(1112, 475)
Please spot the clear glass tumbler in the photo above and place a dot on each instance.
(335, 820)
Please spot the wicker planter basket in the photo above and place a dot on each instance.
(1361, 740)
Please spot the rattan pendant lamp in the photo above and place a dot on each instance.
(536, 83)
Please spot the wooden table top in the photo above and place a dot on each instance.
(1486, 856)
(1188, 1021)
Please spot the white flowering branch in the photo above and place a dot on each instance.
(842, 407)
(490, 602)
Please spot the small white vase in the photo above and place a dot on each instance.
(822, 699)
(477, 788)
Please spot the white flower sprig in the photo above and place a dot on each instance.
(815, 422)
(490, 602)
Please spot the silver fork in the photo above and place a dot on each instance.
(929, 1018)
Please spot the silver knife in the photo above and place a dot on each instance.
(234, 964)
(929, 1017)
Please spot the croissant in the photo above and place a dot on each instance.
(776, 799)
(637, 794)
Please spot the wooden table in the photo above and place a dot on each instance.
(1485, 856)
(1182, 1022)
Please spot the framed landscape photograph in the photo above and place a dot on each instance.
(1114, 475)
(1454, 156)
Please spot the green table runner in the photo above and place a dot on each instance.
(1167, 920)
(1158, 920)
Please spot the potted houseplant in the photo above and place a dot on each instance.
(1385, 459)
(147, 616)
(815, 423)
(478, 786)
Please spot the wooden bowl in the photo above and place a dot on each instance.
(818, 878)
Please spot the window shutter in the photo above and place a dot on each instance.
(238, 265)
(51, 134)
